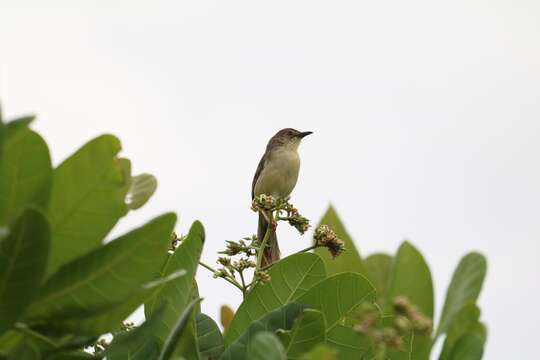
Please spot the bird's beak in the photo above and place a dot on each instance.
(304, 134)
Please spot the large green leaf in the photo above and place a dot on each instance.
(410, 277)
(9, 341)
(337, 297)
(25, 174)
(87, 199)
(181, 341)
(321, 352)
(209, 337)
(349, 260)
(266, 346)
(138, 344)
(141, 189)
(309, 330)
(378, 266)
(468, 347)
(280, 319)
(110, 320)
(23, 261)
(105, 277)
(465, 287)
(466, 321)
(291, 277)
(176, 295)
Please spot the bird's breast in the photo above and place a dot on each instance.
(280, 173)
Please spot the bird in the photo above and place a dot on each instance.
(276, 175)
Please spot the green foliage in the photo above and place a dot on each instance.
(465, 324)
(350, 259)
(174, 296)
(378, 267)
(308, 330)
(87, 199)
(464, 288)
(280, 319)
(62, 286)
(337, 297)
(23, 261)
(209, 337)
(266, 346)
(290, 278)
(26, 173)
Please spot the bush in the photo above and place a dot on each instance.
(62, 288)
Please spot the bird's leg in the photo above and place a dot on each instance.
(274, 224)
(265, 216)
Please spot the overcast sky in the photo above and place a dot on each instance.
(426, 117)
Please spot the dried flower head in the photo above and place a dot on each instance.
(326, 237)
(419, 322)
(263, 276)
(263, 202)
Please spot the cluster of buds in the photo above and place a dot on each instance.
(128, 326)
(268, 204)
(240, 247)
(324, 236)
(295, 219)
(408, 317)
(174, 241)
(100, 345)
(263, 276)
(390, 336)
(264, 202)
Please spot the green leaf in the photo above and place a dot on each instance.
(141, 189)
(465, 287)
(25, 174)
(209, 337)
(23, 261)
(464, 322)
(181, 339)
(468, 347)
(266, 346)
(280, 319)
(105, 277)
(138, 344)
(337, 297)
(378, 267)
(321, 352)
(291, 277)
(309, 330)
(87, 199)
(410, 277)
(349, 260)
(27, 350)
(175, 296)
(9, 341)
(110, 320)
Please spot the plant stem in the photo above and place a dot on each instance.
(228, 278)
(264, 241)
(244, 288)
(23, 328)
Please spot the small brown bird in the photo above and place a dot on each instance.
(276, 175)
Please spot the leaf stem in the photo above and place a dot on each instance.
(227, 278)
(23, 328)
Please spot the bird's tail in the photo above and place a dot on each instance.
(271, 252)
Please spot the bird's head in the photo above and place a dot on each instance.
(289, 137)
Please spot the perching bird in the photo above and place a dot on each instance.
(276, 175)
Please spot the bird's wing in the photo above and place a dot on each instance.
(257, 173)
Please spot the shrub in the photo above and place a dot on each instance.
(62, 287)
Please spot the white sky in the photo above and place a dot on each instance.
(426, 117)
